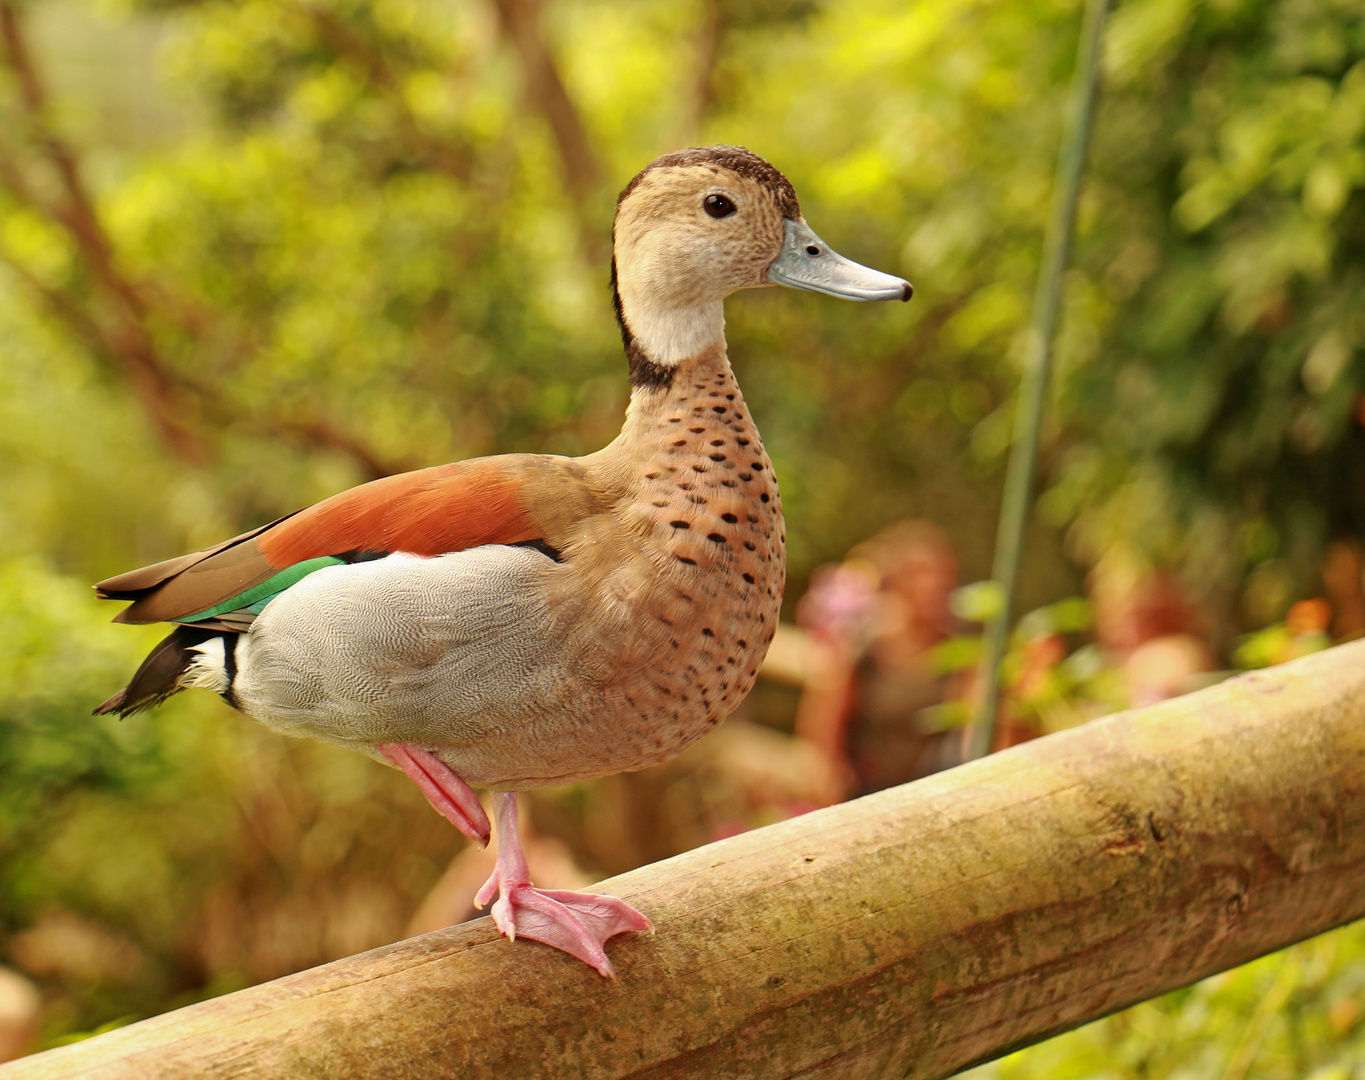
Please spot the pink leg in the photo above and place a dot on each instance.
(452, 797)
(576, 923)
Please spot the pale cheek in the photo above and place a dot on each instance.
(685, 267)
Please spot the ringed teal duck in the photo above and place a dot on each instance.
(527, 619)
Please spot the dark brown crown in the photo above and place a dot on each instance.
(735, 158)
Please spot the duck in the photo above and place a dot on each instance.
(525, 620)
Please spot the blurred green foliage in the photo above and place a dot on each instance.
(150, 862)
(373, 235)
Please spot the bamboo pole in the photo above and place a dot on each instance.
(910, 933)
(1033, 386)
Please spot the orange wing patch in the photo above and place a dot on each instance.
(427, 512)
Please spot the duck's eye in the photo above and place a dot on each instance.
(718, 206)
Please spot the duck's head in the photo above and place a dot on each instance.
(697, 225)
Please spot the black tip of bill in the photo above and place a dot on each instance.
(807, 262)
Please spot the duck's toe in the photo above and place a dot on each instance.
(579, 924)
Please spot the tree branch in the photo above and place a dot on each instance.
(548, 96)
(910, 933)
(545, 89)
(128, 341)
(319, 433)
(352, 48)
(78, 213)
(60, 303)
(121, 337)
(705, 53)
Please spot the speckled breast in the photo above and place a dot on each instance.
(683, 612)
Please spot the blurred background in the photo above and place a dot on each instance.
(255, 251)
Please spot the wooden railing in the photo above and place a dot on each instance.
(910, 933)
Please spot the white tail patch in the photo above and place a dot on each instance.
(208, 670)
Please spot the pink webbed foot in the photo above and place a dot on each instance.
(576, 923)
(452, 798)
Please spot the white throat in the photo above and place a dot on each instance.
(671, 335)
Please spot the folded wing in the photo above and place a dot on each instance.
(429, 512)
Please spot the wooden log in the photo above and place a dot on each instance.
(911, 933)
